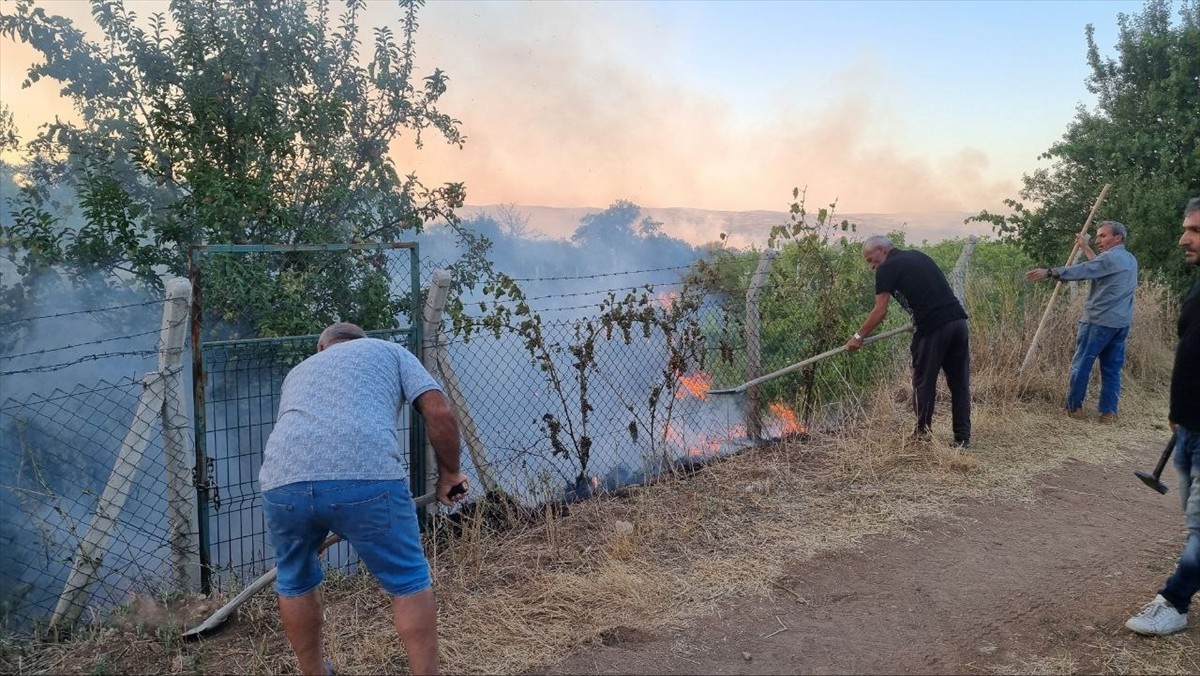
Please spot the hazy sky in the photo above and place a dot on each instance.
(885, 106)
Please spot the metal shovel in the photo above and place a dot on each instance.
(801, 364)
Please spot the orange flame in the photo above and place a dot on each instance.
(667, 298)
(789, 423)
(697, 384)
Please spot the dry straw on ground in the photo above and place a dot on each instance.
(664, 555)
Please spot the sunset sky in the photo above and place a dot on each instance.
(884, 106)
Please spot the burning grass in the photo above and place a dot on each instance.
(659, 557)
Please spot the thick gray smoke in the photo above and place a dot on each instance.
(71, 384)
(633, 437)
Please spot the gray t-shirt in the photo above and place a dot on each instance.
(338, 413)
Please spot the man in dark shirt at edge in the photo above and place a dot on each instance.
(1168, 612)
(940, 342)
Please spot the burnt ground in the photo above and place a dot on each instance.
(996, 588)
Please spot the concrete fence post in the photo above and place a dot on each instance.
(436, 358)
(754, 342)
(152, 406)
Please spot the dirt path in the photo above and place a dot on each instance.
(997, 588)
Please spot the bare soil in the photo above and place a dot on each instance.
(1031, 587)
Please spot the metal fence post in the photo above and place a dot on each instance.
(200, 470)
(416, 438)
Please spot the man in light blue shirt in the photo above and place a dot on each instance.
(1106, 316)
(333, 462)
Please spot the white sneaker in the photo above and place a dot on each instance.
(1158, 618)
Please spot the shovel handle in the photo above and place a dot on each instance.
(801, 364)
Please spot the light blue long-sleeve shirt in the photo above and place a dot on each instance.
(1114, 278)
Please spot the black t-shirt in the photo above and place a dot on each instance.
(1185, 379)
(917, 283)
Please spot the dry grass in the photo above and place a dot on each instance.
(1115, 653)
(664, 555)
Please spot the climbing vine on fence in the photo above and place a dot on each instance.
(639, 312)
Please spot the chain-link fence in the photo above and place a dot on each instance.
(91, 462)
(600, 395)
(85, 486)
(551, 425)
(596, 382)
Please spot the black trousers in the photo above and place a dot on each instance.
(943, 349)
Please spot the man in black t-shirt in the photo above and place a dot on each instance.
(1168, 612)
(940, 342)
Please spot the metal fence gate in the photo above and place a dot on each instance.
(237, 377)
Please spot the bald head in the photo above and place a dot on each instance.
(339, 333)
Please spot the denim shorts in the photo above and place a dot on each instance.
(377, 517)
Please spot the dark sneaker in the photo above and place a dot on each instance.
(962, 443)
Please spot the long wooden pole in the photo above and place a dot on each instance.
(1037, 335)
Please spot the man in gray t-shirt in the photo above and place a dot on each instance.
(333, 463)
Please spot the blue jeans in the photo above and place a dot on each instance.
(377, 517)
(1108, 344)
(1184, 584)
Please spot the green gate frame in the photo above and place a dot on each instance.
(201, 474)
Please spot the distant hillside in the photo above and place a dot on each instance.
(744, 228)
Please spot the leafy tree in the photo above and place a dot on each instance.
(245, 121)
(1143, 136)
(610, 229)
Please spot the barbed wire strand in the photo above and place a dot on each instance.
(9, 322)
(68, 347)
(601, 274)
(90, 357)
